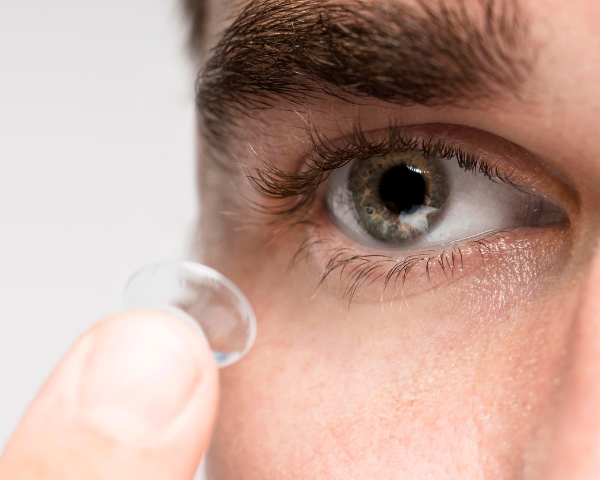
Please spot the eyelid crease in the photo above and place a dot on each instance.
(297, 190)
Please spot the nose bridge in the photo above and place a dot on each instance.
(575, 450)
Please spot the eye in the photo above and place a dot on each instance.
(410, 199)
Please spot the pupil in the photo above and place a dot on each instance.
(401, 188)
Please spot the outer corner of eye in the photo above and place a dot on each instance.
(544, 213)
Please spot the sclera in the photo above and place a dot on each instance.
(208, 300)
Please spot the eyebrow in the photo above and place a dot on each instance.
(279, 53)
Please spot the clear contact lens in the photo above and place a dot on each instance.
(203, 296)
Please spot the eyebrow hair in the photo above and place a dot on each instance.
(429, 52)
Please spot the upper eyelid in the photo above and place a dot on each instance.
(524, 169)
(324, 156)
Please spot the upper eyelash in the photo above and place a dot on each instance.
(324, 156)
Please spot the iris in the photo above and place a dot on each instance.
(399, 197)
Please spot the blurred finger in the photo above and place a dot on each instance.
(134, 398)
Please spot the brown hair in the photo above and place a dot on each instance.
(288, 53)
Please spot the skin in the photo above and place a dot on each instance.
(476, 378)
(488, 373)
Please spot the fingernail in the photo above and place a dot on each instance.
(139, 376)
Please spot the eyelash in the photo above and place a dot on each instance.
(297, 192)
(368, 269)
(324, 157)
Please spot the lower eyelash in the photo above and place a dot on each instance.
(357, 271)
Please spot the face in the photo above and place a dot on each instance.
(414, 226)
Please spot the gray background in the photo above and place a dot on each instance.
(96, 149)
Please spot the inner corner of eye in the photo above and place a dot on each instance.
(398, 201)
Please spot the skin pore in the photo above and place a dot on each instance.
(470, 370)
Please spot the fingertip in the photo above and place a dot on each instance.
(137, 381)
(142, 372)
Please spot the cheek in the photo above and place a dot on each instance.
(427, 388)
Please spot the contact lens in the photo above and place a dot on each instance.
(209, 301)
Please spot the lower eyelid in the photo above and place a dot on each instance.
(361, 275)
